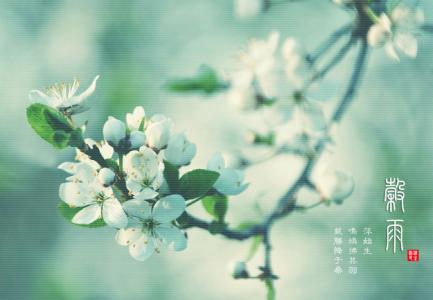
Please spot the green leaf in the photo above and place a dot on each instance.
(270, 290)
(255, 245)
(76, 138)
(171, 175)
(216, 206)
(51, 125)
(197, 183)
(206, 81)
(264, 139)
(216, 227)
(112, 164)
(69, 212)
(247, 225)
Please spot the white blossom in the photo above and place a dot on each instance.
(150, 227)
(62, 97)
(257, 74)
(247, 8)
(179, 150)
(114, 131)
(334, 185)
(137, 139)
(295, 65)
(238, 269)
(259, 59)
(83, 189)
(135, 119)
(230, 181)
(144, 173)
(242, 95)
(106, 176)
(158, 131)
(396, 31)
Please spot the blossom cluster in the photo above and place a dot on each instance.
(396, 25)
(125, 187)
(277, 82)
(396, 31)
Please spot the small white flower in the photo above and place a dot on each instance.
(144, 170)
(106, 176)
(306, 111)
(242, 95)
(137, 139)
(396, 31)
(85, 190)
(294, 62)
(179, 150)
(239, 270)
(114, 131)
(334, 185)
(260, 55)
(150, 228)
(135, 119)
(62, 97)
(248, 8)
(158, 131)
(230, 181)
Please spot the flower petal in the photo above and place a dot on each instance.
(407, 43)
(146, 194)
(74, 194)
(216, 162)
(390, 50)
(137, 208)
(87, 215)
(230, 182)
(113, 213)
(142, 248)
(125, 236)
(135, 119)
(169, 208)
(36, 96)
(89, 90)
(69, 167)
(173, 237)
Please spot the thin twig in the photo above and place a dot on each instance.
(328, 43)
(353, 83)
(335, 60)
(427, 28)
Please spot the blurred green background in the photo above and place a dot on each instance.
(136, 46)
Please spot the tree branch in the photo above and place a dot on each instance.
(327, 44)
(287, 202)
(335, 60)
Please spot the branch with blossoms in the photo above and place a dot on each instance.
(283, 89)
(134, 180)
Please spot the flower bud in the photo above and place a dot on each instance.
(230, 181)
(158, 132)
(379, 32)
(179, 150)
(137, 139)
(335, 186)
(239, 270)
(114, 131)
(106, 176)
(135, 119)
